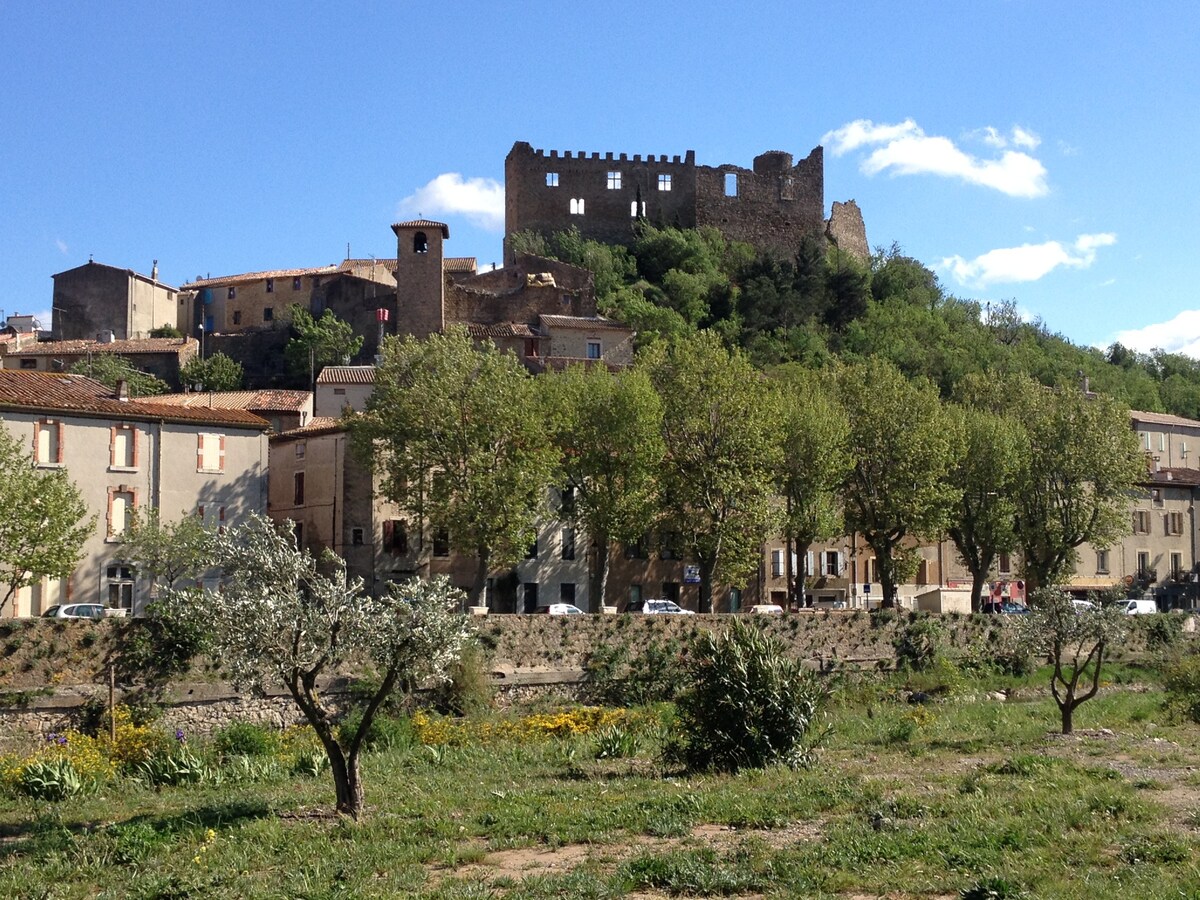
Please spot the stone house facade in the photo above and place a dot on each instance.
(161, 357)
(126, 456)
(94, 299)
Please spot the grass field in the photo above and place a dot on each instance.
(968, 797)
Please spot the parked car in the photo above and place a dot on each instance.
(75, 611)
(1083, 605)
(659, 608)
(766, 609)
(561, 609)
(1138, 607)
(1006, 607)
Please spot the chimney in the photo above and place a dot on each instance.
(154, 271)
(122, 390)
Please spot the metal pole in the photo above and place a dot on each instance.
(112, 703)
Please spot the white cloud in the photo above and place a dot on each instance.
(905, 149)
(1178, 335)
(61, 245)
(1022, 137)
(480, 200)
(1029, 262)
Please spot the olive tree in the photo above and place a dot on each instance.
(282, 616)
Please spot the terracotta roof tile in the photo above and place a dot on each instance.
(459, 264)
(1153, 418)
(125, 348)
(224, 280)
(317, 426)
(586, 322)
(347, 375)
(74, 394)
(502, 330)
(425, 223)
(275, 400)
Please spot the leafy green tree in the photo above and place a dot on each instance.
(455, 432)
(217, 373)
(282, 618)
(813, 432)
(904, 446)
(982, 524)
(721, 455)
(169, 552)
(166, 331)
(608, 430)
(109, 368)
(316, 343)
(1081, 464)
(43, 521)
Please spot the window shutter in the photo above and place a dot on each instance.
(221, 456)
(58, 427)
(388, 531)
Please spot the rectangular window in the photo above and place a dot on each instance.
(1102, 562)
(1143, 562)
(299, 535)
(614, 181)
(1177, 566)
(296, 283)
(531, 597)
(1141, 521)
(118, 587)
(670, 546)
(298, 489)
(1005, 563)
(664, 182)
(568, 543)
(735, 600)
(301, 449)
(833, 563)
(121, 505)
(441, 542)
(29, 364)
(731, 185)
(48, 442)
(356, 537)
(551, 179)
(268, 314)
(532, 551)
(270, 285)
(210, 453)
(237, 317)
(1175, 523)
(566, 504)
(576, 207)
(566, 592)
(636, 550)
(776, 563)
(593, 349)
(635, 596)
(232, 295)
(395, 537)
(123, 447)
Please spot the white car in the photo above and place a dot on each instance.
(660, 608)
(75, 611)
(561, 609)
(767, 609)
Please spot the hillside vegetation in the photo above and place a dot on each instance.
(821, 305)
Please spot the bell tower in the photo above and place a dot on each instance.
(420, 282)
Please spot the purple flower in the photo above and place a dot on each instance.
(179, 735)
(52, 737)
(62, 740)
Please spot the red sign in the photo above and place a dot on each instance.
(381, 315)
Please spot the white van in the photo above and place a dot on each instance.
(1138, 607)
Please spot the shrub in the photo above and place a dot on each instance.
(245, 739)
(747, 704)
(175, 766)
(49, 778)
(386, 732)
(1181, 681)
(1163, 632)
(919, 644)
(615, 676)
(469, 690)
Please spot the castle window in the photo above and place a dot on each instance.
(237, 317)
(593, 349)
(731, 184)
(614, 181)
(29, 364)
(296, 283)
(270, 285)
(232, 293)
(637, 208)
(268, 314)
(664, 182)
(551, 179)
(420, 243)
(576, 207)
(787, 188)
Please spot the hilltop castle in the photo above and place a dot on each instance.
(772, 206)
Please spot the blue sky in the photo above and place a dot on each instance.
(1042, 151)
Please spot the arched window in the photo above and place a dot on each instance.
(420, 243)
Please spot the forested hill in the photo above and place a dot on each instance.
(825, 305)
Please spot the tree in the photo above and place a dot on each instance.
(43, 521)
(166, 331)
(982, 524)
(109, 368)
(608, 431)
(813, 432)
(721, 455)
(280, 617)
(904, 447)
(1076, 638)
(316, 343)
(455, 431)
(217, 373)
(169, 551)
(1081, 464)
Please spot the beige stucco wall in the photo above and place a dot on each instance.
(616, 345)
(165, 478)
(151, 305)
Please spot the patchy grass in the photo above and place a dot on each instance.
(965, 797)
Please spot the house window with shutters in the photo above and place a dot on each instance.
(1141, 521)
(212, 516)
(48, 442)
(1174, 523)
(118, 586)
(123, 448)
(395, 536)
(122, 502)
(210, 453)
(833, 563)
(776, 563)
(568, 543)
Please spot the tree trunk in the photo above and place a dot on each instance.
(976, 593)
(801, 572)
(602, 568)
(479, 585)
(1068, 715)
(346, 783)
(707, 567)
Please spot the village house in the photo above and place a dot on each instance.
(95, 299)
(125, 457)
(160, 357)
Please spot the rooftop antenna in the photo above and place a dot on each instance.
(347, 249)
